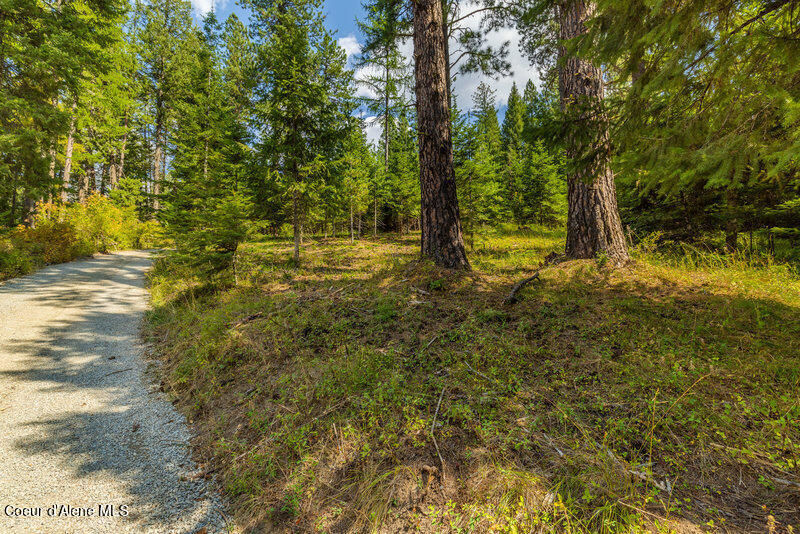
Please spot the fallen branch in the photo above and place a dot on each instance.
(512, 297)
(120, 371)
(551, 259)
(248, 319)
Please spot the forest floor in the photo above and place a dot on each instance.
(366, 391)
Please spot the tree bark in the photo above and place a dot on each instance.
(352, 227)
(112, 174)
(158, 155)
(296, 225)
(12, 214)
(442, 240)
(29, 211)
(593, 223)
(68, 158)
(121, 159)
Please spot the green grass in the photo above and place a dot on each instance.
(660, 397)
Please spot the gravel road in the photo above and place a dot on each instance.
(80, 429)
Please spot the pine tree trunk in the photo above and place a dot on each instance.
(442, 240)
(158, 155)
(296, 225)
(352, 228)
(446, 43)
(91, 179)
(121, 159)
(593, 222)
(112, 173)
(68, 158)
(29, 211)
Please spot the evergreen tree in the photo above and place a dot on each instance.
(164, 31)
(402, 181)
(513, 147)
(46, 53)
(511, 133)
(303, 102)
(359, 169)
(440, 219)
(382, 27)
(206, 212)
(713, 88)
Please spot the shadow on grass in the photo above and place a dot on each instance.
(604, 388)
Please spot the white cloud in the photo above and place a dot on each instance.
(465, 85)
(202, 7)
(521, 69)
(350, 44)
(374, 129)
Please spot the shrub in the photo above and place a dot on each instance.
(62, 233)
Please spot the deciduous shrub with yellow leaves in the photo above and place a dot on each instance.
(63, 232)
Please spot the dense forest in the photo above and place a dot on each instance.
(200, 124)
(649, 139)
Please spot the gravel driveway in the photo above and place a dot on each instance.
(81, 434)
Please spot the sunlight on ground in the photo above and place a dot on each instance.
(364, 389)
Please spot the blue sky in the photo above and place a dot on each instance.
(341, 14)
(341, 19)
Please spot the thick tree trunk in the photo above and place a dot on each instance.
(68, 158)
(29, 207)
(593, 222)
(442, 240)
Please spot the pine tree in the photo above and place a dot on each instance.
(440, 219)
(402, 181)
(511, 133)
(382, 28)
(46, 54)
(164, 30)
(206, 212)
(513, 147)
(713, 88)
(303, 101)
(593, 222)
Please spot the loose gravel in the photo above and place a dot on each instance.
(82, 430)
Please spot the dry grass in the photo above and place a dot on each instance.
(660, 397)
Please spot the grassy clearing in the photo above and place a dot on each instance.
(365, 391)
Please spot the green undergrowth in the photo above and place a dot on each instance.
(62, 233)
(365, 391)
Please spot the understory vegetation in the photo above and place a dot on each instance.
(347, 211)
(365, 390)
(64, 232)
